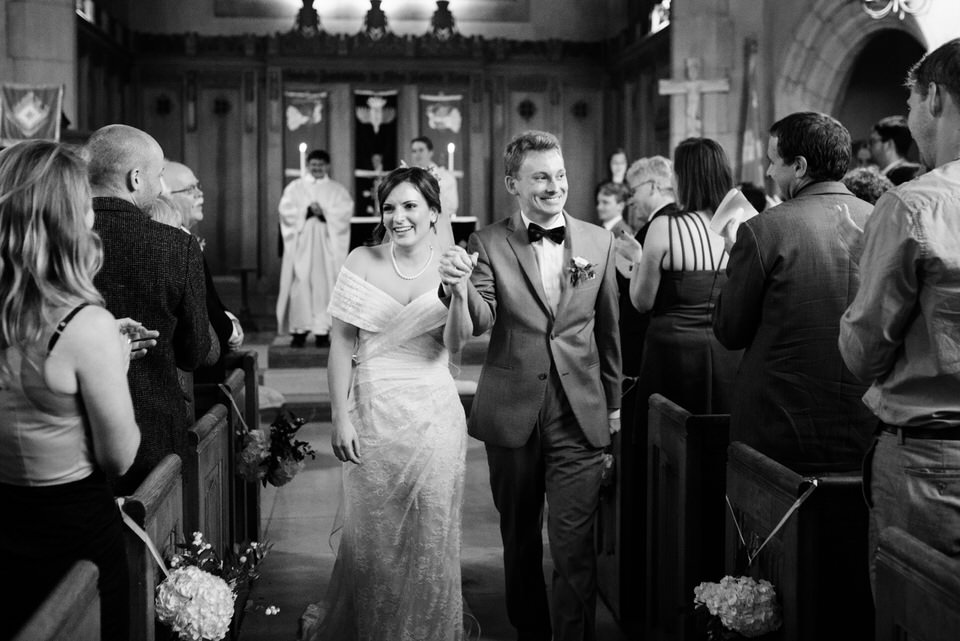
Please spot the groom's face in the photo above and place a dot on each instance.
(540, 185)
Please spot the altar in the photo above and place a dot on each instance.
(361, 228)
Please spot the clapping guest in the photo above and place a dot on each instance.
(66, 418)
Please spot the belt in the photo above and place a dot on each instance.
(941, 433)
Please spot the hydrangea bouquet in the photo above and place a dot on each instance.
(274, 456)
(197, 597)
(738, 607)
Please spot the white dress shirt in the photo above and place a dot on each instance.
(550, 258)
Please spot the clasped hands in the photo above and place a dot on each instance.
(314, 210)
(455, 268)
(138, 338)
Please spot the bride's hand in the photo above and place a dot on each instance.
(346, 445)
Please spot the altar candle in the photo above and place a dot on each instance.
(450, 149)
(303, 159)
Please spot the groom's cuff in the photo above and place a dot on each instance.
(611, 414)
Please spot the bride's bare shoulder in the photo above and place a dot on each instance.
(363, 260)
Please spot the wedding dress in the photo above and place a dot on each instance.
(397, 573)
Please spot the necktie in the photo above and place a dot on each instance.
(535, 232)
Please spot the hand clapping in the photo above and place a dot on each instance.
(455, 268)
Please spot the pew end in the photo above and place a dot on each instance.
(207, 477)
(71, 612)
(918, 590)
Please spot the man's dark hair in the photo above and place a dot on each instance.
(703, 173)
(618, 190)
(424, 140)
(940, 66)
(895, 128)
(319, 154)
(822, 140)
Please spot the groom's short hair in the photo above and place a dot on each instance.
(522, 144)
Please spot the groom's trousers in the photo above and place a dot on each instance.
(558, 463)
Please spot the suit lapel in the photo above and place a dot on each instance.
(572, 238)
(520, 244)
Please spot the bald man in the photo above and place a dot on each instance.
(183, 187)
(153, 273)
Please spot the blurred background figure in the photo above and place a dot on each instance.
(866, 183)
(611, 206)
(754, 194)
(890, 143)
(862, 157)
(65, 410)
(617, 164)
(164, 210)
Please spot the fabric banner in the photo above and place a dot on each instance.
(304, 123)
(29, 112)
(375, 143)
(441, 120)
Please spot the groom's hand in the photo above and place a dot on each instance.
(455, 268)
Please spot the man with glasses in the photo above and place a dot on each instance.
(184, 189)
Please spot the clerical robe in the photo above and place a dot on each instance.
(314, 250)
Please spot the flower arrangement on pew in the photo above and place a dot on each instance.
(197, 598)
(737, 607)
(275, 457)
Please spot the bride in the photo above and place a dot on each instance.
(400, 429)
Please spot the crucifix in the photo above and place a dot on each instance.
(693, 88)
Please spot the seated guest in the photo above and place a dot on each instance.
(66, 418)
(889, 143)
(677, 276)
(185, 194)
(790, 278)
(866, 183)
(153, 273)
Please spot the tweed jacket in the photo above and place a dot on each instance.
(153, 273)
(790, 279)
(582, 342)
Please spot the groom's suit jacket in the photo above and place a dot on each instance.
(583, 341)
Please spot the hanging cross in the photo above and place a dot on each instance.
(693, 88)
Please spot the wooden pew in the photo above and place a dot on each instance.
(918, 590)
(71, 612)
(687, 457)
(157, 507)
(242, 381)
(207, 477)
(818, 561)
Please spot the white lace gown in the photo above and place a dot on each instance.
(397, 573)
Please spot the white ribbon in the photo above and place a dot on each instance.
(814, 483)
(143, 536)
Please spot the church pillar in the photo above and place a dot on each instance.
(33, 54)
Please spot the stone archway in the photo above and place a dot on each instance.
(821, 57)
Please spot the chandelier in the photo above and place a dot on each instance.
(878, 9)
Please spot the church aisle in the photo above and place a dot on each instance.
(297, 519)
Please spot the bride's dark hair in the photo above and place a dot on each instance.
(422, 180)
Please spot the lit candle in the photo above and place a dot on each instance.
(303, 159)
(450, 149)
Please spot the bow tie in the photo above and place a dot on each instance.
(535, 232)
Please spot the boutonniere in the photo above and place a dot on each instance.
(581, 270)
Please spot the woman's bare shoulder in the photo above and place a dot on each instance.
(362, 259)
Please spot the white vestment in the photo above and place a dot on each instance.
(313, 252)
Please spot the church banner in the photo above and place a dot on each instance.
(29, 112)
(375, 142)
(304, 129)
(441, 120)
(752, 154)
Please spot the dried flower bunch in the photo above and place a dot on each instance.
(275, 457)
(741, 605)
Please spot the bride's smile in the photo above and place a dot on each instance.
(407, 215)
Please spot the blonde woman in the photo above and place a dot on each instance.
(66, 419)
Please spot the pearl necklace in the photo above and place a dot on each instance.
(396, 267)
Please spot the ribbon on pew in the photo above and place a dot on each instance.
(143, 536)
(233, 404)
(814, 483)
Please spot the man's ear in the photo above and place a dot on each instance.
(935, 101)
(133, 179)
(511, 184)
(800, 167)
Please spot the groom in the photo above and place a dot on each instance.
(549, 394)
